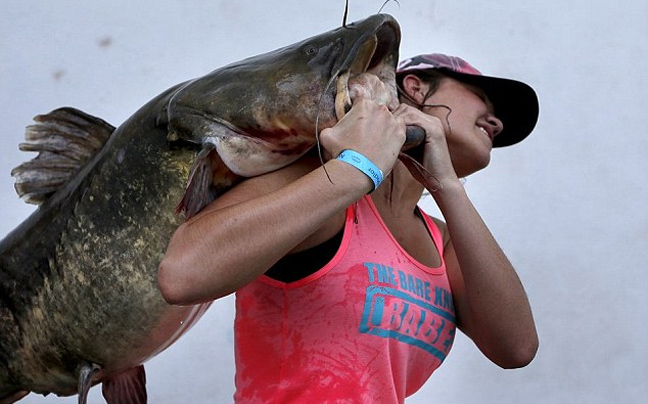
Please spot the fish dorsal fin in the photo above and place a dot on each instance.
(65, 140)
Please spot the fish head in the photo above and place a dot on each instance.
(264, 112)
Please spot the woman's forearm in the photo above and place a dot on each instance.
(494, 309)
(229, 244)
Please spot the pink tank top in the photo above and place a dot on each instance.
(369, 327)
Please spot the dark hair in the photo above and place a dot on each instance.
(431, 77)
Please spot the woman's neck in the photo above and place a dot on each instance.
(399, 192)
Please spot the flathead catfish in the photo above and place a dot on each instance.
(79, 302)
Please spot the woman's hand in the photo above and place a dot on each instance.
(371, 130)
(436, 157)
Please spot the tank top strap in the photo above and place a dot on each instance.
(365, 204)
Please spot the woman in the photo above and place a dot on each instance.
(346, 293)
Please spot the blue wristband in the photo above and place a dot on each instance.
(363, 164)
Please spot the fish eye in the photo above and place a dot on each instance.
(311, 50)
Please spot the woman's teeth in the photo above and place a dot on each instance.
(484, 130)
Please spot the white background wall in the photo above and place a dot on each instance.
(567, 204)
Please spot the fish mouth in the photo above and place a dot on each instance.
(372, 72)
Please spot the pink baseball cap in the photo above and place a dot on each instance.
(516, 103)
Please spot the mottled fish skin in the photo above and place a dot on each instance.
(78, 288)
(90, 296)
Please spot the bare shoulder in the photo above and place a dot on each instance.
(444, 230)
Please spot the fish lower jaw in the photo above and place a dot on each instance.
(365, 85)
(342, 97)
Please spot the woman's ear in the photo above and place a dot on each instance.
(415, 88)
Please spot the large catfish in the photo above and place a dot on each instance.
(79, 302)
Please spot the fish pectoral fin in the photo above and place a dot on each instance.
(198, 191)
(128, 387)
(202, 188)
(65, 139)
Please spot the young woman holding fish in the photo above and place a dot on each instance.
(346, 293)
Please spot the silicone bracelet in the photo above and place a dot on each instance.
(363, 164)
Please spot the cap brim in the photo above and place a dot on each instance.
(516, 105)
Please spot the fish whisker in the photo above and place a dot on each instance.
(386, 2)
(333, 79)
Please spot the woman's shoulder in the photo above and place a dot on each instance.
(443, 228)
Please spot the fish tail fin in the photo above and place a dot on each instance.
(128, 387)
(65, 139)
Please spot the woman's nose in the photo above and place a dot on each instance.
(495, 123)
